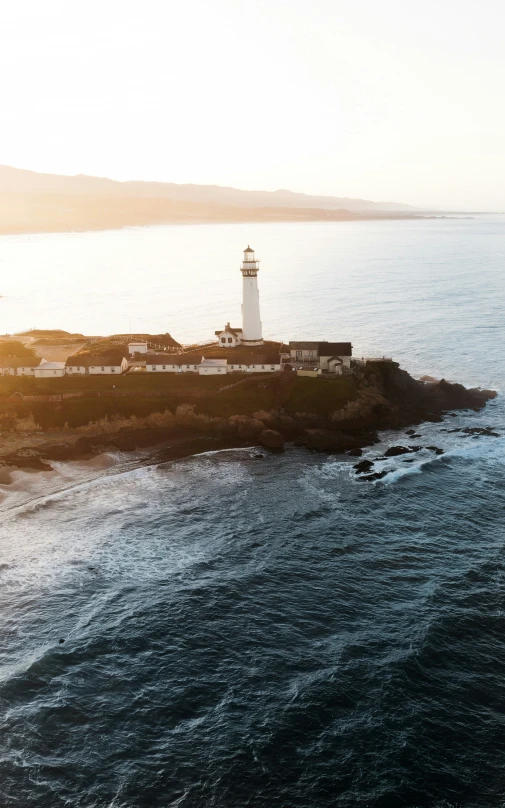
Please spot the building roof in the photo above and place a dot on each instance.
(45, 365)
(249, 249)
(164, 359)
(18, 362)
(241, 355)
(213, 362)
(323, 348)
(228, 329)
(256, 359)
(86, 360)
(182, 359)
(234, 356)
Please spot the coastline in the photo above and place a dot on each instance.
(70, 217)
(106, 226)
(385, 398)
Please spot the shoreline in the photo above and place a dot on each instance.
(104, 227)
(335, 417)
(37, 451)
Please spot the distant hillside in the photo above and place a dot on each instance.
(32, 202)
(19, 180)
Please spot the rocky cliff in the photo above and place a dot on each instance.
(340, 414)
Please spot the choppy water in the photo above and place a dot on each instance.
(269, 631)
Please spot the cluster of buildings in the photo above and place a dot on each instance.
(234, 350)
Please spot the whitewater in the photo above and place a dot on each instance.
(267, 630)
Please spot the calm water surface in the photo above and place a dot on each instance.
(244, 631)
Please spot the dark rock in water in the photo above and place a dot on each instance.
(456, 397)
(378, 475)
(365, 465)
(394, 451)
(27, 459)
(69, 451)
(272, 439)
(409, 460)
(259, 455)
(354, 452)
(61, 641)
(410, 432)
(416, 435)
(436, 449)
(486, 431)
(480, 430)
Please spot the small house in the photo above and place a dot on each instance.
(321, 353)
(211, 367)
(229, 337)
(162, 363)
(73, 366)
(137, 348)
(107, 365)
(96, 364)
(49, 370)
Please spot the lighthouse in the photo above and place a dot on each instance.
(251, 321)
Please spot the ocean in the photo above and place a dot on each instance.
(263, 631)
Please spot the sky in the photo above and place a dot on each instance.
(392, 101)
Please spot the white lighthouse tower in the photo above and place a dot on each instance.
(251, 321)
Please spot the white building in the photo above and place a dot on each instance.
(257, 367)
(330, 357)
(168, 363)
(162, 363)
(16, 366)
(49, 370)
(189, 366)
(211, 367)
(229, 337)
(96, 365)
(101, 366)
(74, 369)
(137, 348)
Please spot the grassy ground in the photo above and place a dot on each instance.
(102, 396)
(131, 381)
(285, 391)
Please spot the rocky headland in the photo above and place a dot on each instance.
(341, 415)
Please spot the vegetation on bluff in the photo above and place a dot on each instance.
(378, 396)
(15, 348)
(95, 397)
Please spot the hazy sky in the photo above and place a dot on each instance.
(383, 99)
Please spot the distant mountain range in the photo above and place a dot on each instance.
(33, 202)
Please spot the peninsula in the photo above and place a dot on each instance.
(67, 396)
(76, 417)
